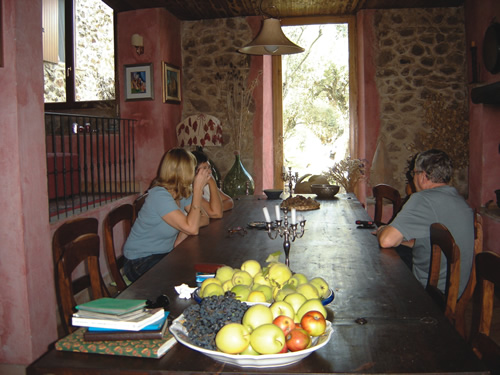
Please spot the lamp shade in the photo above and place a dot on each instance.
(271, 41)
(199, 130)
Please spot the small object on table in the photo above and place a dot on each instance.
(365, 224)
(184, 291)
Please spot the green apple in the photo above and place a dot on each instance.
(267, 339)
(227, 285)
(251, 266)
(242, 277)
(260, 279)
(233, 338)
(249, 351)
(278, 274)
(213, 289)
(268, 292)
(322, 286)
(295, 300)
(224, 273)
(256, 296)
(311, 305)
(256, 316)
(297, 279)
(241, 292)
(207, 282)
(282, 308)
(283, 292)
(308, 290)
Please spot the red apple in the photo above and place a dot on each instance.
(284, 350)
(285, 323)
(298, 339)
(314, 323)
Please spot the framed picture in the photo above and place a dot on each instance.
(171, 83)
(139, 82)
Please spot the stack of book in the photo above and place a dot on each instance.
(119, 327)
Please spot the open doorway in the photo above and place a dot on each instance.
(315, 98)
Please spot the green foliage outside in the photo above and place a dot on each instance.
(316, 98)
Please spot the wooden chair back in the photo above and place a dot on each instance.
(84, 249)
(468, 292)
(122, 214)
(442, 240)
(488, 277)
(138, 203)
(381, 192)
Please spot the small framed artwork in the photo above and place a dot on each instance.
(171, 83)
(139, 82)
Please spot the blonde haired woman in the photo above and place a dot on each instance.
(171, 212)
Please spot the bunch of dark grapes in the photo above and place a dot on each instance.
(204, 320)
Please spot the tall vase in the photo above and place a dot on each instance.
(238, 181)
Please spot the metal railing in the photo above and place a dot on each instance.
(90, 162)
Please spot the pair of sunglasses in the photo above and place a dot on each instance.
(161, 301)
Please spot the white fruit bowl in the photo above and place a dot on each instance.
(261, 361)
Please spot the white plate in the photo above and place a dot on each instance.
(261, 361)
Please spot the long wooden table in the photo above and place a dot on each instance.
(404, 332)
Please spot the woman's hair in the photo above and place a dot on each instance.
(200, 156)
(436, 164)
(176, 173)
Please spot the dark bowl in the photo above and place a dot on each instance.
(325, 191)
(273, 193)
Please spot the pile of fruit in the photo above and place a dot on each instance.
(252, 283)
(290, 312)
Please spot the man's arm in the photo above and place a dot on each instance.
(388, 236)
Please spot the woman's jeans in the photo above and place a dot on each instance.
(134, 268)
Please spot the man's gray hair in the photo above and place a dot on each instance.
(436, 164)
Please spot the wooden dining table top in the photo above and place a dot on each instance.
(383, 320)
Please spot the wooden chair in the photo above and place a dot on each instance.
(122, 214)
(138, 203)
(468, 292)
(442, 240)
(381, 192)
(488, 277)
(64, 235)
(84, 249)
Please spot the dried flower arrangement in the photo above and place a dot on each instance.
(347, 173)
(446, 128)
(233, 88)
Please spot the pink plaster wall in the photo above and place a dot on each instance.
(26, 303)
(484, 124)
(368, 105)
(155, 131)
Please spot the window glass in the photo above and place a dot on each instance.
(94, 51)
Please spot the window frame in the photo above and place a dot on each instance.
(69, 46)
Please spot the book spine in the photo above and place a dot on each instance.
(130, 326)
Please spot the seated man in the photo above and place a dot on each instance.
(434, 202)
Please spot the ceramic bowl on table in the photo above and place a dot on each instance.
(325, 191)
(273, 193)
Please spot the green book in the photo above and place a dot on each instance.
(153, 348)
(112, 305)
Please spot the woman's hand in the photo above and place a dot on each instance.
(201, 178)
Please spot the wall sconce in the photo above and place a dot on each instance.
(138, 43)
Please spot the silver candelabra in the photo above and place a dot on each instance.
(287, 231)
(290, 178)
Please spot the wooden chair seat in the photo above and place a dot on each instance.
(122, 214)
(488, 277)
(83, 250)
(465, 298)
(442, 240)
(383, 192)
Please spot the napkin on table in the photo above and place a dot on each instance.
(184, 291)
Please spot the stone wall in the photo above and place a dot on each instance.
(209, 50)
(418, 52)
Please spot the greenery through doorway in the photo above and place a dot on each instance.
(315, 97)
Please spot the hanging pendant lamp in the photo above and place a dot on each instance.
(271, 41)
